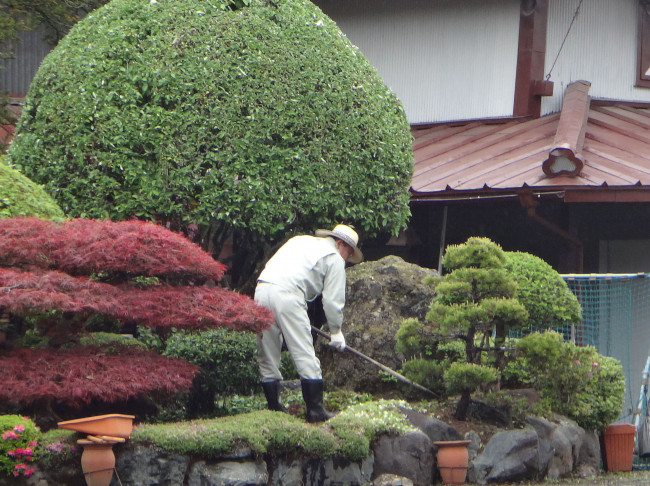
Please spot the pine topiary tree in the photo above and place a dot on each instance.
(56, 277)
(251, 119)
(475, 299)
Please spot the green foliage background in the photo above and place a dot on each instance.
(228, 362)
(574, 381)
(21, 197)
(542, 291)
(253, 116)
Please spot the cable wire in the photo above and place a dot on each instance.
(548, 76)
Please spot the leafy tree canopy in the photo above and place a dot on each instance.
(21, 197)
(248, 116)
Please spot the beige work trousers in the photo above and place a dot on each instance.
(291, 325)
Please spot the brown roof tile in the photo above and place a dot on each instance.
(479, 158)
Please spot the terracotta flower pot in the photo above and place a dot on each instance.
(114, 425)
(619, 447)
(453, 460)
(97, 462)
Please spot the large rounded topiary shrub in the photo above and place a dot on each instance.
(249, 115)
(542, 291)
(21, 197)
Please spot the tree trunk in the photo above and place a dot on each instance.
(470, 348)
(462, 406)
(499, 353)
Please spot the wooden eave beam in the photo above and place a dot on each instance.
(609, 195)
(565, 193)
(530, 84)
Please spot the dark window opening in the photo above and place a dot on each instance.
(643, 65)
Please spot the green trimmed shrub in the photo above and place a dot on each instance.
(467, 377)
(109, 341)
(228, 362)
(574, 381)
(542, 291)
(426, 372)
(413, 338)
(19, 196)
(251, 118)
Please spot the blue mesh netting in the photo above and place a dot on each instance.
(615, 320)
(615, 314)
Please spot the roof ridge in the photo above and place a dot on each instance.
(565, 158)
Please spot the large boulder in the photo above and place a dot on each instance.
(544, 449)
(141, 464)
(410, 455)
(510, 455)
(380, 295)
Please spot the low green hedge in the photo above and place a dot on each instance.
(348, 434)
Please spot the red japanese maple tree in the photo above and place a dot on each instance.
(56, 275)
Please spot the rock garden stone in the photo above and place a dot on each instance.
(410, 455)
(511, 455)
(380, 295)
(228, 473)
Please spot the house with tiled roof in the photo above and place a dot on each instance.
(531, 123)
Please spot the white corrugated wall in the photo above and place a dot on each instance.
(16, 73)
(601, 48)
(455, 59)
(444, 59)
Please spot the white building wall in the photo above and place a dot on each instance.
(601, 48)
(16, 73)
(444, 59)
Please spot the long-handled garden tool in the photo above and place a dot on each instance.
(382, 367)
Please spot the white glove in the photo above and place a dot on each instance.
(338, 341)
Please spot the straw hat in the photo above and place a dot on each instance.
(348, 236)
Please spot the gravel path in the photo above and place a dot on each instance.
(636, 478)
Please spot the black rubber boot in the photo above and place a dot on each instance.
(312, 392)
(272, 394)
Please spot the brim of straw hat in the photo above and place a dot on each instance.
(356, 256)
